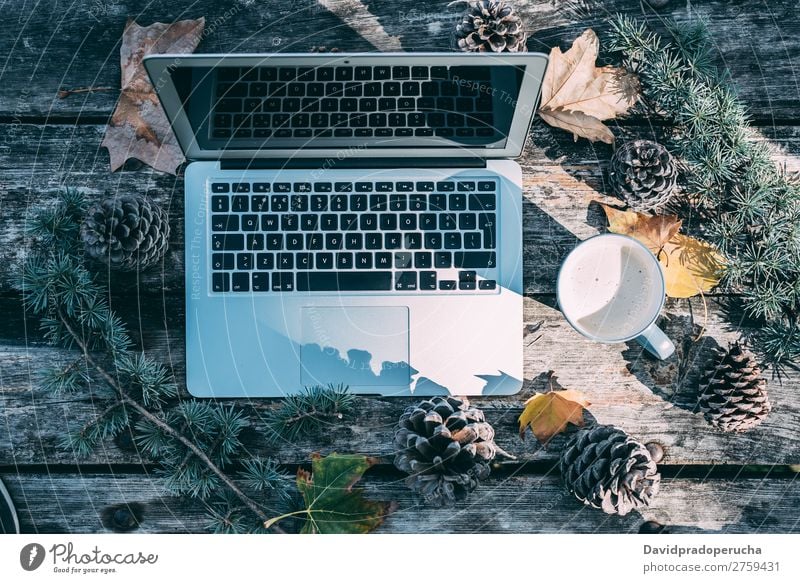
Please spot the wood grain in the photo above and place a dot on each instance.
(52, 45)
(654, 401)
(80, 503)
(561, 179)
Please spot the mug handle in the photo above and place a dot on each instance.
(656, 342)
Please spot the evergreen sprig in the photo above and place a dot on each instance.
(307, 411)
(196, 444)
(752, 205)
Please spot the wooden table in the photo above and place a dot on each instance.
(712, 482)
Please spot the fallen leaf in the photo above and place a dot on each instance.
(653, 231)
(690, 266)
(139, 128)
(547, 414)
(333, 506)
(578, 97)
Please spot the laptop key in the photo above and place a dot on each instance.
(305, 260)
(422, 260)
(220, 187)
(487, 284)
(299, 203)
(279, 203)
(259, 203)
(315, 241)
(373, 241)
(255, 242)
(472, 240)
(219, 204)
(345, 281)
(486, 186)
(452, 240)
(265, 261)
(269, 222)
(220, 261)
(402, 260)
(447, 284)
(475, 259)
(239, 203)
(285, 260)
(244, 261)
(324, 260)
(442, 260)
(363, 260)
(482, 202)
(344, 261)
(383, 260)
(467, 280)
(224, 222)
(249, 222)
(240, 282)
(427, 280)
(229, 242)
(261, 281)
(405, 280)
(294, 241)
(282, 282)
(220, 282)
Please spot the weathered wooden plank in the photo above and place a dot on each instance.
(561, 178)
(50, 45)
(522, 503)
(652, 400)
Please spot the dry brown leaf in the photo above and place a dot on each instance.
(690, 266)
(139, 128)
(653, 231)
(577, 96)
(547, 414)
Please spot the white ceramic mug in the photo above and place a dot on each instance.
(611, 289)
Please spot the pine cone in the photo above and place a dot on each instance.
(491, 26)
(126, 232)
(733, 394)
(445, 446)
(605, 468)
(644, 174)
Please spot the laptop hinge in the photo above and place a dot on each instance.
(351, 163)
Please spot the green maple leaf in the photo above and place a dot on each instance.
(333, 506)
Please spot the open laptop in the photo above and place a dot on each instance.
(352, 219)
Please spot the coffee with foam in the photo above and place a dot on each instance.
(610, 288)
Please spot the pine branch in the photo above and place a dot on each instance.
(165, 427)
(305, 412)
(193, 441)
(752, 205)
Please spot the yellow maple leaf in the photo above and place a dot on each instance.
(690, 266)
(577, 96)
(548, 414)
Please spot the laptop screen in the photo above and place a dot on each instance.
(335, 105)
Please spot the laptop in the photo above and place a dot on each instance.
(352, 219)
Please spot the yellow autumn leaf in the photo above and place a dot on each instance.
(690, 266)
(548, 414)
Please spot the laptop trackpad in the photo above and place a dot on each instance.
(356, 346)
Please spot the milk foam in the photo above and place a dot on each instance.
(609, 288)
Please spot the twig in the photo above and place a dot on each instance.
(164, 426)
(63, 93)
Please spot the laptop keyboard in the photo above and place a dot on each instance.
(352, 101)
(402, 236)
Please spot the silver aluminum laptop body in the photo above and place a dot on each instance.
(443, 330)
